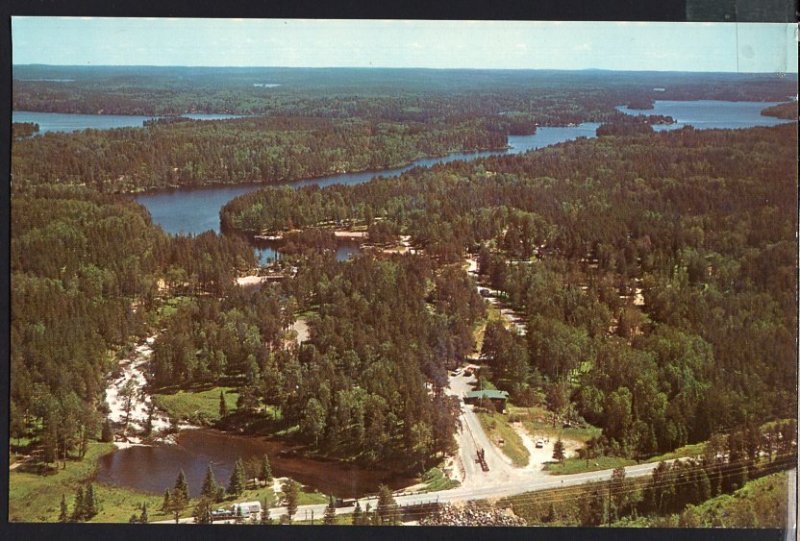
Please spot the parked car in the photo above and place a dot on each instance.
(539, 443)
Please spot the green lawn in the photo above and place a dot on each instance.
(341, 520)
(492, 314)
(37, 498)
(305, 498)
(435, 479)
(581, 465)
(693, 450)
(196, 406)
(496, 427)
(537, 422)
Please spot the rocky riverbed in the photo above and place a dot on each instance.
(131, 408)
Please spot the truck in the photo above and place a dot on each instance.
(246, 509)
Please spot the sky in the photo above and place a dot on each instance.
(731, 47)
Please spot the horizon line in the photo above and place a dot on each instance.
(13, 65)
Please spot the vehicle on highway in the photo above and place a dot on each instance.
(246, 509)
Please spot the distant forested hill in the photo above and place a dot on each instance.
(345, 91)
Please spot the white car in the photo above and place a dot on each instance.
(539, 443)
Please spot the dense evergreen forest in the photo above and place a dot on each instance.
(702, 227)
(85, 271)
(786, 110)
(368, 385)
(259, 149)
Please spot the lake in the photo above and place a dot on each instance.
(195, 210)
(67, 122)
(709, 114)
(154, 469)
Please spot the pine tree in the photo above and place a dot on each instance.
(64, 515)
(223, 407)
(558, 450)
(202, 512)
(90, 502)
(143, 518)
(165, 504)
(181, 486)
(357, 514)
(78, 506)
(387, 510)
(266, 471)
(552, 515)
(148, 424)
(209, 489)
(292, 492)
(177, 503)
(238, 479)
(330, 513)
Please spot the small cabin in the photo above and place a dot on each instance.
(497, 398)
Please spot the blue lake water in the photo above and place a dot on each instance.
(709, 114)
(67, 122)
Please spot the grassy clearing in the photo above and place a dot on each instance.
(492, 314)
(581, 465)
(496, 427)
(341, 520)
(171, 305)
(435, 479)
(538, 422)
(307, 496)
(37, 498)
(693, 450)
(307, 314)
(196, 406)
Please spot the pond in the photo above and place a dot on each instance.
(154, 469)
